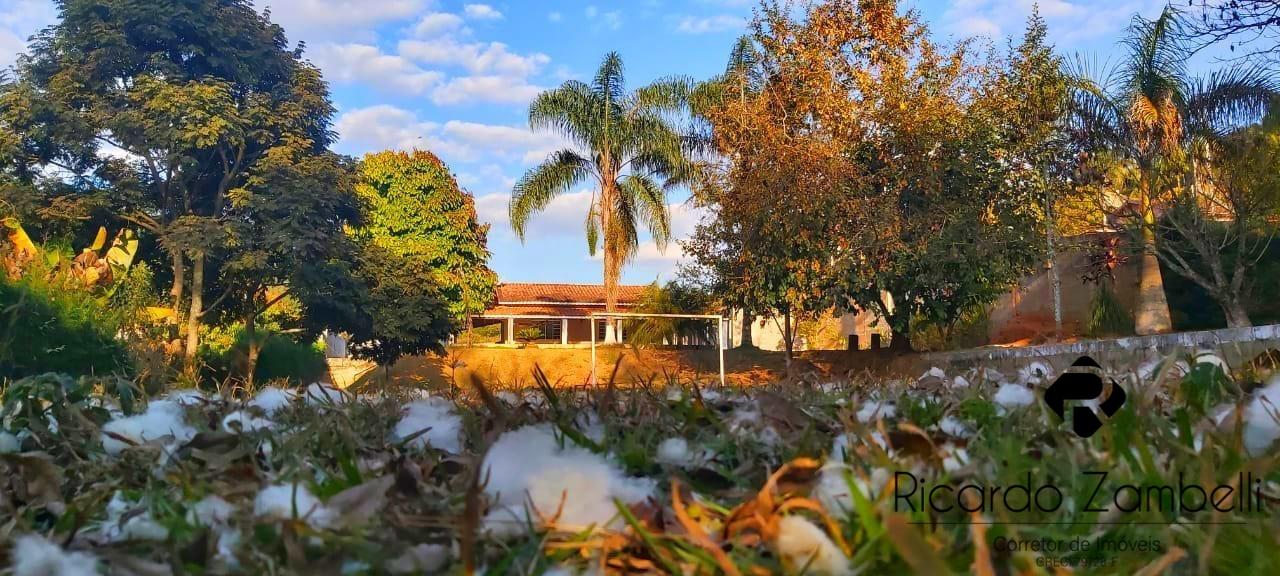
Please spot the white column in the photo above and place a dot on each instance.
(720, 338)
(564, 331)
(619, 321)
(511, 331)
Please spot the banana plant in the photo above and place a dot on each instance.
(92, 267)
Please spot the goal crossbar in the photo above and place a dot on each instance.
(720, 341)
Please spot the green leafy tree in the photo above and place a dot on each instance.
(414, 209)
(387, 305)
(392, 285)
(203, 98)
(956, 180)
(414, 265)
(1145, 113)
(1220, 221)
(284, 223)
(627, 147)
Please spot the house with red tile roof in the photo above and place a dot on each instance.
(555, 312)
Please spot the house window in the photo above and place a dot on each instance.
(600, 329)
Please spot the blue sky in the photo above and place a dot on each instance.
(455, 77)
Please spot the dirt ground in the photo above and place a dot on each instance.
(514, 367)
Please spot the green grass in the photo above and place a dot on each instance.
(1149, 442)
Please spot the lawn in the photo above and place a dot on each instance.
(568, 367)
(924, 474)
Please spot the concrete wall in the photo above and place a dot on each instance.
(1236, 345)
(1026, 312)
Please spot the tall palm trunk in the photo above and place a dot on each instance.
(612, 259)
(1152, 306)
(612, 268)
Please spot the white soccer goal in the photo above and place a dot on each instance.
(720, 335)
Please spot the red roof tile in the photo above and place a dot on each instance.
(517, 293)
(546, 310)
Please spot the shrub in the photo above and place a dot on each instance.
(44, 328)
(1107, 315)
(224, 352)
(968, 330)
(529, 334)
(487, 334)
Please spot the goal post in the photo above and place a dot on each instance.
(718, 318)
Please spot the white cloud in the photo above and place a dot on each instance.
(363, 63)
(976, 26)
(383, 126)
(19, 19)
(314, 20)
(564, 216)
(563, 73)
(437, 23)
(481, 12)
(611, 20)
(485, 88)
(477, 57)
(710, 24)
(684, 218)
(532, 146)
(485, 178)
(10, 46)
(491, 209)
(554, 16)
(1069, 21)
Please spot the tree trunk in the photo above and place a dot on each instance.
(900, 342)
(1054, 279)
(611, 293)
(746, 329)
(255, 348)
(175, 292)
(197, 308)
(1233, 309)
(1153, 308)
(612, 261)
(788, 343)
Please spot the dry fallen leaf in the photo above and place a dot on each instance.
(357, 504)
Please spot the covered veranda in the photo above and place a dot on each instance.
(567, 330)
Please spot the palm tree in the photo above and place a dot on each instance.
(1146, 112)
(627, 146)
